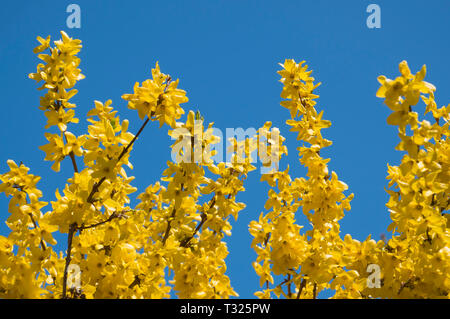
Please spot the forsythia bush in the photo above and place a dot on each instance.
(174, 238)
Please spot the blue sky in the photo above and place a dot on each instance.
(226, 55)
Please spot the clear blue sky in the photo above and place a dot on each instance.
(226, 54)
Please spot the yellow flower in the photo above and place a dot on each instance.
(158, 98)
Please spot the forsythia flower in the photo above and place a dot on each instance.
(173, 240)
(311, 260)
(159, 98)
(415, 262)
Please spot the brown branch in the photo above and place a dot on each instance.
(169, 226)
(289, 286)
(73, 227)
(136, 282)
(125, 150)
(204, 217)
(315, 291)
(72, 155)
(97, 185)
(405, 285)
(266, 239)
(110, 218)
(36, 226)
(95, 190)
(186, 241)
(74, 163)
(302, 285)
(72, 230)
(21, 188)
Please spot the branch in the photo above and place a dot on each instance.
(405, 285)
(136, 282)
(36, 226)
(125, 150)
(289, 286)
(110, 218)
(169, 226)
(302, 285)
(21, 188)
(186, 241)
(95, 190)
(72, 230)
(73, 227)
(72, 156)
(74, 163)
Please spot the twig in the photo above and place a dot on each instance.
(21, 188)
(72, 156)
(113, 215)
(125, 150)
(72, 230)
(289, 286)
(136, 282)
(302, 285)
(36, 226)
(169, 226)
(405, 285)
(186, 241)
(97, 185)
(315, 291)
(73, 227)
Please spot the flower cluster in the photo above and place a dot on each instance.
(417, 258)
(415, 262)
(158, 98)
(173, 240)
(307, 261)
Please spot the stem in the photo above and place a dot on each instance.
(21, 188)
(136, 282)
(302, 285)
(73, 227)
(95, 190)
(289, 286)
(72, 155)
(185, 242)
(125, 150)
(169, 226)
(72, 230)
(110, 218)
(35, 226)
(74, 163)
(315, 291)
